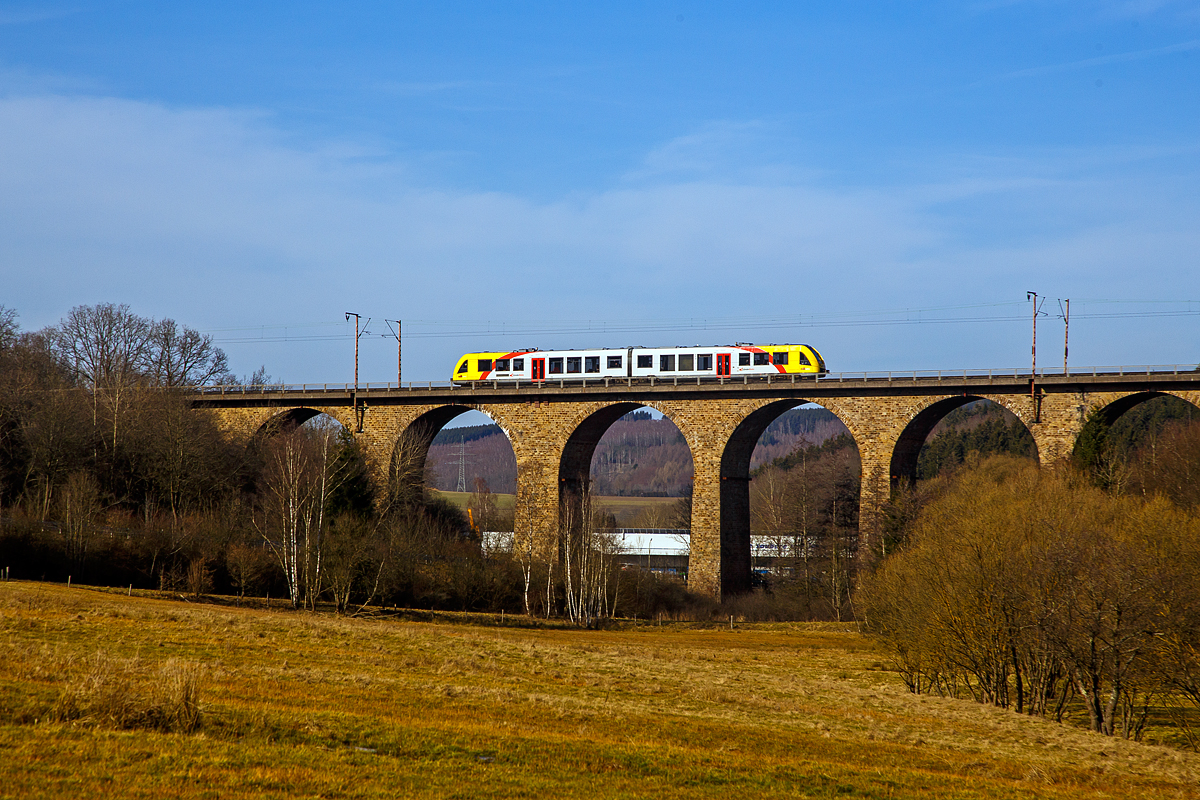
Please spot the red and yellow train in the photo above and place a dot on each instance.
(641, 362)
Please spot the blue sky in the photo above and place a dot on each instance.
(883, 180)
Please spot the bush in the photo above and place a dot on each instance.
(1020, 587)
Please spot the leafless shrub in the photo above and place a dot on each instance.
(199, 576)
(1022, 588)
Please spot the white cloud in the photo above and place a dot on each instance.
(211, 216)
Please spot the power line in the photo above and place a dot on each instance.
(942, 315)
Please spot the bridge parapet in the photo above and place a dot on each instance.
(1158, 373)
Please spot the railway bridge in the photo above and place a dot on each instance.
(554, 427)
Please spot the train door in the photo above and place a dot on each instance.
(722, 365)
(539, 369)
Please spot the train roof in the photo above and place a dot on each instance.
(738, 345)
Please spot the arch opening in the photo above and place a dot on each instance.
(640, 456)
(790, 490)
(947, 433)
(640, 481)
(1147, 443)
(287, 421)
(471, 466)
(327, 442)
(586, 464)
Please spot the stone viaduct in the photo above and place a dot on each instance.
(554, 428)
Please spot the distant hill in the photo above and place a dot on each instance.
(638, 456)
(485, 453)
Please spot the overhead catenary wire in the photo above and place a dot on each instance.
(942, 315)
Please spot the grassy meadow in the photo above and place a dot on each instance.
(443, 705)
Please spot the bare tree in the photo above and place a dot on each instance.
(57, 441)
(183, 357)
(301, 473)
(1020, 587)
(349, 555)
(79, 504)
(106, 347)
(245, 566)
(8, 327)
(483, 505)
(588, 556)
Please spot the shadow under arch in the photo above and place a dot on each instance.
(903, 468)
(286, 421)
(1095, 428)
(1113, 411)
(736, 562)
(410, 451)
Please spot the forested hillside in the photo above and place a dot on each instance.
(484, 452)
(983, 428)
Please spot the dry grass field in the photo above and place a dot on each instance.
(299, 705)
(504, 502)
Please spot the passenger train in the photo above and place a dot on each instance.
(641, 362)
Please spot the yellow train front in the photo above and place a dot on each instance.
(725, 361)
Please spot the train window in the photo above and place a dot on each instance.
(704, 362)
(645, 362)
(687, 362)
(743, 359)
(760, 359)
(556, 366)
(574, 364)
(779, 358)
(518, 364)
(666, 363)
(485, 364)
(463, 366)
(502, 364)
(802, 359)
(591, 363)
(614, 362)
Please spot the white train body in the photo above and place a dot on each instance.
(723, 361)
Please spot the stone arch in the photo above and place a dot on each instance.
(410, 450)
(291, 418)
(903, 466)
(575, 463)
(1109, 407)
(735, 550)
(1112, 406)
(574, 471)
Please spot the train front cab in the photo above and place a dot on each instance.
(786, 359)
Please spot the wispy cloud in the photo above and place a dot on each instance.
(30, 16)
(207, 215)
(1085, 63)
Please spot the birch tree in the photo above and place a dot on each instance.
(301, 473)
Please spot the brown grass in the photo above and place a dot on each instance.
(302, 705)
(129, 694)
